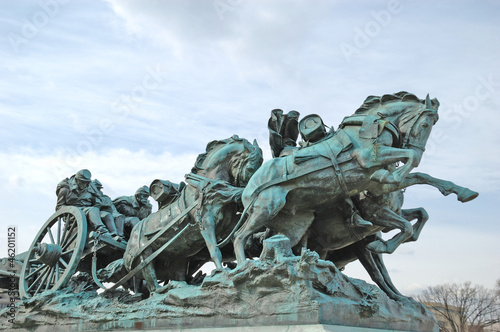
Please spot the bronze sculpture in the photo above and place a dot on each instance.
(326, 199)
(133, 208)
(77, 191)
(283, 194)
(211, 199)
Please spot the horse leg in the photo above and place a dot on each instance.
(385, 156)
(369, 262)
(265, 208)
(294, 226)
(421, 215)
(377, 258)
(149, 273)
(208, 232)
(302, 243)
(385, 217)
(323, 254)
(445, 187)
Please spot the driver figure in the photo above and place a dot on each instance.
(134, 208)
(75, 191)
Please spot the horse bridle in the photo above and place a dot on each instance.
(407, 137)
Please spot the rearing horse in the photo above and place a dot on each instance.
(211, 200)
(286, 194)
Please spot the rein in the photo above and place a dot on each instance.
(407, 141)
(361, 120)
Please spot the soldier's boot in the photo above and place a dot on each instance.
(358, 221)
(355, 219)
(94, 219)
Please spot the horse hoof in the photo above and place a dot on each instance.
(162, 289)
(377, 247)
(218, 271)
(466, 195)
(240, 267)
(405, 300)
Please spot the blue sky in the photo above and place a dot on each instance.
(134, 90)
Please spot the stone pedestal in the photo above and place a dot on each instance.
(279, 291)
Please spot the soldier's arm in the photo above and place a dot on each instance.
(97, 202)
(62, 197)
(126, 209)
(145, 211)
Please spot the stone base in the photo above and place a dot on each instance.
(161, 325)
(286, 328)
(268, 328)
(278, 292)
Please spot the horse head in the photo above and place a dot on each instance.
(250, 164)
(413, 117)
(416, 127)
(234, 160)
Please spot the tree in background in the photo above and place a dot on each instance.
(464, 307)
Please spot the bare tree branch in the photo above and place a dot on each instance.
(463, 307)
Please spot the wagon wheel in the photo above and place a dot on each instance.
(54, 255)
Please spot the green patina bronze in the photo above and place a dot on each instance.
(318, 205)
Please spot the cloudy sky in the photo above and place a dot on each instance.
(133, 91)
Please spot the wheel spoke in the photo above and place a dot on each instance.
(37, 279)
(52, 270)
(68, 251)
(61, 238)
(50, 235)
(43, 281)
(66, 240)
(63, 262)
(70, 240)
(66, 227)
(36, 271)
(59, 230)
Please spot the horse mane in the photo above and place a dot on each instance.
(211, 146)
(402, 96)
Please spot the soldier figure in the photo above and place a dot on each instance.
(75, 191)
(134, 208)
(113, 220)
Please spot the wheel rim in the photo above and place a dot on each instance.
(54, 255)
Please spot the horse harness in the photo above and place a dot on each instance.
(191, 179)
(371, 127)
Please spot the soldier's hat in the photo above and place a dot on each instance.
(312, 128)
(83, 175)
(98, 184)
(142, 190)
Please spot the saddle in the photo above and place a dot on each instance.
(372, 127)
